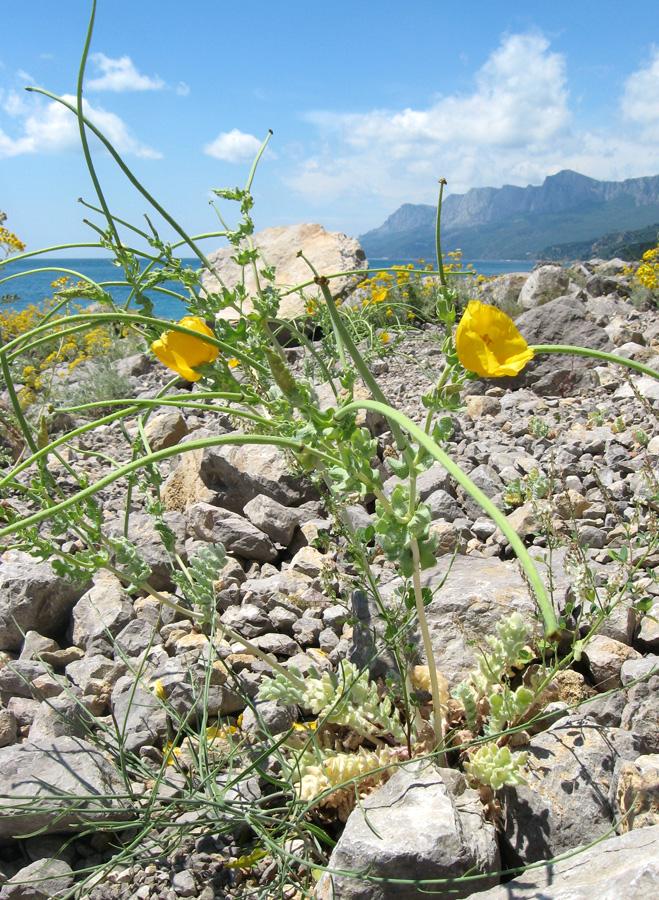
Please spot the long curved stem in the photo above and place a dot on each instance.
(419, 435)
(595, 354)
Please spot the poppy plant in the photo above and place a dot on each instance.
(488, 343)
(182, 352)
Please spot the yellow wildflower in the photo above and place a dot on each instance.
(488, 343)
(389, 312)
(182, 352)
(384, 337)
(232, 362)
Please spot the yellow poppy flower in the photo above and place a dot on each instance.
(488, 343)
(182, 352)
(384, 337)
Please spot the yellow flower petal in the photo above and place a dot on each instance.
(182, 352)
(488, 343)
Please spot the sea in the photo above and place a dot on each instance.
(24, 282)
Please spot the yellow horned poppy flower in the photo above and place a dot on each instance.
(182, 352)
(488, 343)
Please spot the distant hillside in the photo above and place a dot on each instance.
(623, 244)
(519, 223)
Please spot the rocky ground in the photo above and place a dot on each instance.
(570, 449)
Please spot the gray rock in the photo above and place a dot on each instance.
(166, 429)
(605, 657)
(306, 631)
(39, 779)
(101, 612)
(328, 251)
(16, 676)
(139, 715)
(43, 879)
(504, 291)
(566, 798)
(268, 717)
(249, 620)
(562, 321)
(648, 630)
(236, 474)
(641, 715)
(33, 597)
(136, 638)
(61, 717)
(619, 867)
(424, 824)
(443, 506)
(279, 644)
(545, 283)
(237, 534)
(277, 521)
(606, 709)
(8, 728)
(634, 669)
(476, 595)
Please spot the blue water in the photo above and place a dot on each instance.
(33, 288)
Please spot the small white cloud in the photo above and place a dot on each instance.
(182, 89)
(640, 100)
(52, 128)
(234, 146)
(120, 75)
(13, 104)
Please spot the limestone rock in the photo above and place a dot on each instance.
(237, 534)
(166, 429)
(423, 824)
(43, 879)
(33, 597)
(51, 772)
(545, 283)
(232, 475)
(565, 801)
(626, 866)
(277, 521)
(504, 290)
(101, 612)
(637, 793)
(327, 251)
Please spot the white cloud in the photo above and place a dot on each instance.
(514, 127)
(14, 104)
(640, 100)
(120, 75)
(52, 128)
(234, 146)
(182, 89)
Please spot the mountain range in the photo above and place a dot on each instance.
(520, 223)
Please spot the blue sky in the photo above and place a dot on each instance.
(370, 103)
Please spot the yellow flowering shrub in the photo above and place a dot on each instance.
(70, 350)
(648, 272)
(9, 243)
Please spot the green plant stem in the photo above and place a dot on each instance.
(18, 412)
(339, 333)
(595, 354)
(438, 240)
(438, 725)
(363, 369)
(200, 444)
(551, 627)
(135, 319)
